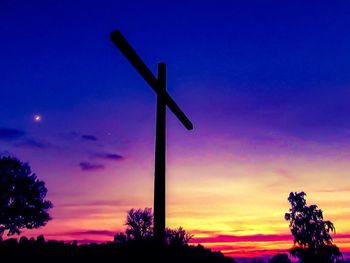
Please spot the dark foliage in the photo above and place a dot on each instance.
(120, 238)
(177, 237)
(139, 224)
(129, 252)
(22, 203)
(324, 254)
(280, 258)
(312, 239)
(140, 227)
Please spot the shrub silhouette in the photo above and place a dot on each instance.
(177, 237)
(120, 238)
(312, 239)
(280, 258)
(22, 203)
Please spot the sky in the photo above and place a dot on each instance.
(266, 85)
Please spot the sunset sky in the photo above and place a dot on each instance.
(265, 83)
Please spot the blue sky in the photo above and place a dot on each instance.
(265, 83)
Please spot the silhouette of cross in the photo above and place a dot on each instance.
(163, 100)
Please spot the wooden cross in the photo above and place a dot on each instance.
(163, 100)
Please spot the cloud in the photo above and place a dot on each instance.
(249, 238)
(104, 203)
(33, 143)
(335, 190)
(76, 135)
(89, 233)
(87, 166)
(89, 137)
(68, 135)
(83, 236)
(108, 156)
(19, 139)
(8, 134)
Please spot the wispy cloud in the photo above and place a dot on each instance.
(108, 156)
(76, 135)
(34, 143)
(335, 190)
(89, 137)
(112, 203)
(89, 233)
(8, 134)
(83, 236)
(68, 135)
(235, 238)
(259, 245)
(87, 166)
(19, 138)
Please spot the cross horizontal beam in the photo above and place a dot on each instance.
(119, 40)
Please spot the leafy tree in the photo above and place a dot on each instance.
(22, 203)
(312, 239)
(139, 224)
(177, 237)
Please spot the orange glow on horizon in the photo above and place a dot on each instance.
(226, 196)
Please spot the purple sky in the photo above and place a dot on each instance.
(265, 83)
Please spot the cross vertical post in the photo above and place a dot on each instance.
(160, 157)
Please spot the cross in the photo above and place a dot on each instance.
(163, 99)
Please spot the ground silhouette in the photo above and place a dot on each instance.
(129, 252)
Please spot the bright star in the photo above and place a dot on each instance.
(37, 118)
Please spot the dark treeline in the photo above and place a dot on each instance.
(39, 250)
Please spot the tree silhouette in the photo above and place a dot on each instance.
(139, 224)
(140, 227)
(22, 203)
(177, 237)
(312, 239)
